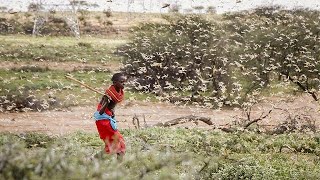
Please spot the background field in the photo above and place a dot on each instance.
(47, 130)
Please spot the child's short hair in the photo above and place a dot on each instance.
(116, 77)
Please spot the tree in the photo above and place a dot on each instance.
(198, 8)
(211, 10)
(279, 43)
(3, 8)
(185, 57)
(82, 4)
(33, 7)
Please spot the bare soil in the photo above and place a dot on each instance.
(59, 122)
(80, 118)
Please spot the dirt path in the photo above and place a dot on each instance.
(80, 118)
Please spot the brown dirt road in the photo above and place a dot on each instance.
(80, 118)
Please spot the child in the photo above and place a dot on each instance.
(104, 116)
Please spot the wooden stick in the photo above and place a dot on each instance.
(185, 119)
(79, 82)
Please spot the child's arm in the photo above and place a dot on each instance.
(104, 102)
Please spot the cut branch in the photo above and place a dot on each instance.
(258, 119)
(304, 89)
(313, 94)
(227, 130)
(185, 119)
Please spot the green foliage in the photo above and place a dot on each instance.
(37, 140)
(246, 168)
(84, 44)
(13, 164)
(30, 69)
(55, 25)
(188, 54)
(275, 44)
(24, 48)
(34, 88)
(227, 62)
(160, 153)
(42, 86)
(107, 13)
(211, 10)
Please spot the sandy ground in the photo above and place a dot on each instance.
(80, 118)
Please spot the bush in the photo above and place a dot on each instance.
(30, 69)
(192, 59)
(37, 140)
(157, 153)
(187, 57)
(84, 44)
(15, 101)
(276, 44)
(107, 13)
(246, 168)
(6, 26)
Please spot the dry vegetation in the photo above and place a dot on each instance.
(94, 23)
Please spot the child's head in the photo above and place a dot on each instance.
(118, 80)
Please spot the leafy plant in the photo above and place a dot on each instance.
(187, 58)
(162, 153)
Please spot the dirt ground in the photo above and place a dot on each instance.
(60, 122)
(80, 118)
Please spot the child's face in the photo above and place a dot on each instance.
(120, 83)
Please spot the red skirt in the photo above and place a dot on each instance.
(114, 142)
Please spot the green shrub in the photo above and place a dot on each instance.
(107, 13)
(246, 168)
(13, 164)
(84, 44)
(30, 69)
(37, 140)
(186, 57)
(15, 101)
(158, 153)
(277, 44)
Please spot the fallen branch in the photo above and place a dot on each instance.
(227, 130)
(258, 119)
(185, 119)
